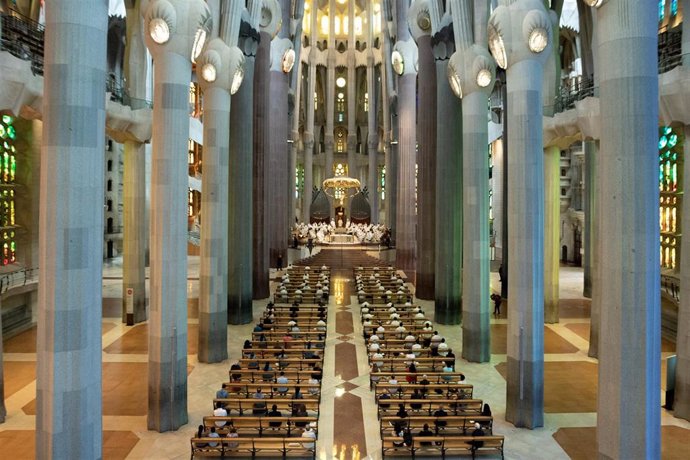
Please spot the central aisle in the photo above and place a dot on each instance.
(348, 425)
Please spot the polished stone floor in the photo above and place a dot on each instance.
(348, 428)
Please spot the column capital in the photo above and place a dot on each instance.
(221, 66)
(443, 43)
(177, 26)
(520, 31)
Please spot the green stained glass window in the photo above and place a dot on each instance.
(662, 7)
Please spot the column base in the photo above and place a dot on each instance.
(525, 393)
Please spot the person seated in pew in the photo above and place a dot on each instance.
(282, 380)
(426, 432)
(411, 376)
(402, 413)
(213, 434)
(317, 373)
(442, 347)
(259, 407)
(274, 412)
(312, 389)
(435, 339)
(309, 433)
(424, 382)
(416, 348)
(320, 326)
(222, 393)
(380, 331)
(309, 354)
(409, 340)
(447, 370)
(394, 316)
(367, 321)
(262, 341)
(450, 358)
(377, 359)
(232, 433)
(298, 394)
(440, 413)
(416, 395)
(201, 433)
(269, 319)
(291, 323)
(383, 397)
(259, 327)
(409, 358)
(300, 410)
(400, 331)
(267, 375)
(394, 323)
(393, 381)
(373, 338)
(478, 432)
(419, 316)
(374, 347)
(247, 345)
(287, 339)
(220, 411)
(391, 307)
(319, 341)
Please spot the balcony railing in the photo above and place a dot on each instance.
(23, 38)
(18, 278)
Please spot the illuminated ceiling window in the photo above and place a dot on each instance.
(339, 170)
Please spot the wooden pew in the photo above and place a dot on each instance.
(285, 363)
(469, 445)
(244, 389)
(464, 389)
(256, 426)
(429, 406)
(257, 375)
(454, 424)
(242, 405)
(250, 447)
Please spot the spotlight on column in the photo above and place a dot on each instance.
(497, 46)
(288, 60)
(454, 76)
(538, 40)
(484, 78)
(237, 78)
(199, 41)
(398, 62)
(208, 73)
(159, 30)
(594, 3)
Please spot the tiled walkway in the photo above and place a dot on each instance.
(348, 427)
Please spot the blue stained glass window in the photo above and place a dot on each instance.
(662, 7)
(674, 7)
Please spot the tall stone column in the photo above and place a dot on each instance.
(629, 340)
(524, 74)
(389, 153)
(241, 205)
(278, 200)
(134, 179)
(473, 71)
(426, 180)
(218, 65)
(351, 98)
(309, 138)
(261, 144)
(449, 153)
(329, 139)
(406, 245)
(681, 406)
(552, 231)
(68, 368)
(589, 148)
(167, 409)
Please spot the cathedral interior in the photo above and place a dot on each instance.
(344, 229)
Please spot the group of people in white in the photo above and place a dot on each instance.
(321, 232)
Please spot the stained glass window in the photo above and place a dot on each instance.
(299, 181)
(662, 7)
(382, 182)
(674, 7)
(8, 169)
(670, 186)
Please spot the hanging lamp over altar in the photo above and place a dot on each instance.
(341, 187)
